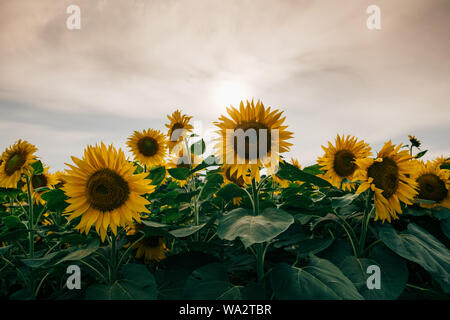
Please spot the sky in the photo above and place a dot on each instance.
(132, 62)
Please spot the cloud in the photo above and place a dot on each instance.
(133, 62)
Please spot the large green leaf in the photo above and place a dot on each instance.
(138, 284)
(157, 175)
(292, 173)
(230, 191)
(319, 280)
(187, 231)
(394, 273)
(419, 246)
(240, 223)
(82, 253)
(311, 246)
(210, 282)
(213, 182)
(56, 200)
(179, 173)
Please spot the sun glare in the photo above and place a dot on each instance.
(230, 93)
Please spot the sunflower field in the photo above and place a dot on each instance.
(172, 223)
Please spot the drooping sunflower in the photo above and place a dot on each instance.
(151, 248)
(149, 147)
(283, 182)
(434, 184)
(228, 178)
(181, 158)
(253, 136)
(103, 190)
(389, 176)
(178, 127)
(17, 160)
(339, 160)
(42, 180)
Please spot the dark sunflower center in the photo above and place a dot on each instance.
(432, 188)
(39, 181)
(14, 163)
(252, 148)
(106, 190)
(385, 176)
(175, 131)
(151, 242)
(344, 163)
(148, 146)
(233, 177)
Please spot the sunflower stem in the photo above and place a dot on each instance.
(364, 224)
(113, 259)
(259, 247)
(30, 218)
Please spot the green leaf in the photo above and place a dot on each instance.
(154, 224)
(138, 284)
(445, 227)
(185, 232)
(339, 202)
(179, 173)
(23, 294)
(157, 175)
(440, 213)
(39, 262)
(13, 222)
(212, 185)
(421, 154)
(319, 280)
(230, 191)
(315, 169)
(208, 162)
(56, 200)
(394, 273)
(210, 282)
(292, 173)
(253, 229)
(37, 167)
(419, 246)
(82, 253)
(445, 166)
(311, 246)
(198, 148)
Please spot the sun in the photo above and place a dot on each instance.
(230, 92)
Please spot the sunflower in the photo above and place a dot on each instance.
(228, 178)
(42, 180)
(149, 147)
(441, 160)
(180, 159)
(17, 160)
(152, 248)
(103, 190)
(178, 128)
(389, 176)
(283, 182)
(339, 161)
(434, 184)
(59, 179)
(254, 136)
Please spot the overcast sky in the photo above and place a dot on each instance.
(134, 61)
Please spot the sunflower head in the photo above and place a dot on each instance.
(389, 176)
(253, 136)
(17, 160)
(178, 127)
(152, 249)
(339, 160)
(181, 158)
(41, 180)
(414, 141)
(59, 178)
(149, 147)
(103, 190)
(433, 183)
